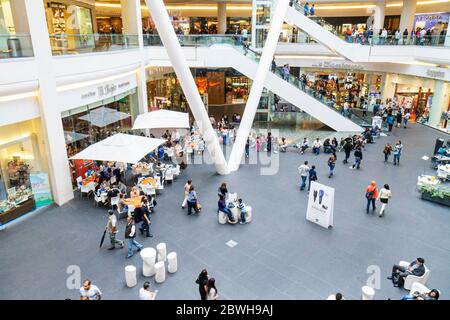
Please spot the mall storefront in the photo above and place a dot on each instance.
(24, 181)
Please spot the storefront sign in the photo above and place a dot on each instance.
(435, 73)
(428, 21)
(333, 65)
(320, 205)
(87, 95)
(41, 189)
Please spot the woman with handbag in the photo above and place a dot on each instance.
(192, 200)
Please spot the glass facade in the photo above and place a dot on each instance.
(24, 183)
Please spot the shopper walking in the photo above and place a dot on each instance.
(202, 282)
(211, 290)
(312, 176)
(269, 142)
(358, 158)
(390, 121)
(304, 172)
(348, 146)
(146, 222)
(130, 234)
(371, 195)
(331, 164)
(387, 152)
(89, 291)
(187, 187)
(384, 196)
(406, 118)
(397, 152)
(111, 228)
(192, 200)
(399, 118)
(247, 148)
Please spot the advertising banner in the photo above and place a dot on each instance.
(41, 189)
(320, 205)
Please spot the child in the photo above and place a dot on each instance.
(241, 207)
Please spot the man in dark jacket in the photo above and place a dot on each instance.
(348, 146)
(415, 268)
(130, 234)
(358, 157)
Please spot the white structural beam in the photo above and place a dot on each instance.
(55, 144)
(180, 66)
(258, 84)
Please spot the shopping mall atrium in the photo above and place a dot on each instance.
(224, 150)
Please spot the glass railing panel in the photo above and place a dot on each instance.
(410, 40)
(15, 46)
(63, 44)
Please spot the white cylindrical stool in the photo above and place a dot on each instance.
(162, 251)
(160, 272)
(148, 256)
(248, 215)
(222, 217)
(367, 293)
(172, 263)
(130, 276)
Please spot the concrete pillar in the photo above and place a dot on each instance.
(258, 84)
(180, 66)
(407, 16)
(130, 17)
(388, 89)
(20, 23)
(441, 98)
(222, 17)
(53, 133)
(378, 19)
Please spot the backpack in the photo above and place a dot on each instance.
(369, 194)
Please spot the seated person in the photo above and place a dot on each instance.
(122, 188)
(304, 145)
(135, 192)
(327, 146)
(241, 207)
(122, 207)
(283, 145)
(399, 273)
(443, 151)
(432, 295)
(223, 191)
(89, 172)
(368, 136)
(223, 208)
(113, 192)
(334, 145)
(316, 146)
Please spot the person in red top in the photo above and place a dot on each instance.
(371, 195)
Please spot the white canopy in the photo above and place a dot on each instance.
(120, 147)
(101, 117)
(162, 119)
(72, 136)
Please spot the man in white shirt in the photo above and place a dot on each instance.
(89, 291)
(145, 293)
(304, 172)
(383, 36)
(316, 146)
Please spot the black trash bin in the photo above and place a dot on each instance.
(15, 50)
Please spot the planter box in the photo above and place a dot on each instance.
(444, 201)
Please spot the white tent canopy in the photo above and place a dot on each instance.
(162, 119)
(121, 148)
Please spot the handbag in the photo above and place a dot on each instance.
(198, 207)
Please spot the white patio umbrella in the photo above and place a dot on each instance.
(103, 116)
(72, 136)
(121, 148)
(162, 119)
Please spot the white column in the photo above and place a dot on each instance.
(20, 23)
(258, 84)
(132, 25)
(180, 66)
(378, 19)
(222, 17)
(49, 105)
(407, 16)
(447, 38)
(441, 98)
(388, 87)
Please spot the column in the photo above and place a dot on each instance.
(222, 17)
(447, 38)
(132, 25)
(20, 23)
(440, 101)
(258, 84)
(53, 134)
(378, 19)
(180, 66)
(388, 89)
(407, 16)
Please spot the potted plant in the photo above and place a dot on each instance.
(439, 194)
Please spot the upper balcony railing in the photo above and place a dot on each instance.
(367, 38)
(15, 46)
(66, 44)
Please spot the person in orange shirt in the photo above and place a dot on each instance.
(371, 195)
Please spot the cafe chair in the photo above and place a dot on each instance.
(169, 177)
(79, 182)
(232, 197)
(411, 279)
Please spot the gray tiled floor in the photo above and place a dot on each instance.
(279, 255)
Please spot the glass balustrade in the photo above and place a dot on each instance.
(375, 40)
(15, 46)
(64, 44)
